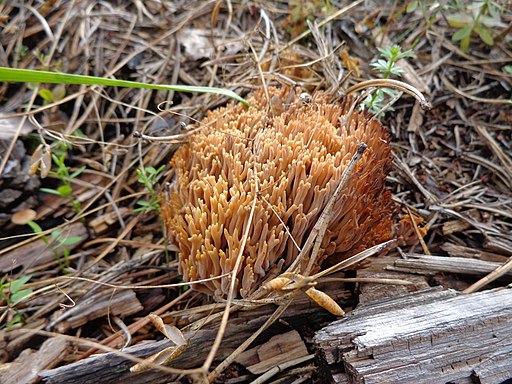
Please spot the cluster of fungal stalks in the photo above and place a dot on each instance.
(286, 153)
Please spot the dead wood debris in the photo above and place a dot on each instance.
(427, 337)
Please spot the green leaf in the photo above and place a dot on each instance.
(403, 55)
(396, 70)
(507, 68)
(35, 227)
(65, 190)
(462, 33)
(485, 35)
(464, 43)
(390, 91)
(56, 234)
(411, 7)
(77, 172)
(385, 52)
(494, 11)
(46, 95)
(146, 206)
(70, 240)
(151, 170)
(475, 5)
(18, 283)
(50, 191)
(459, 20)
(59, 92)
(381, 65)
(17, 75)
(18, 296)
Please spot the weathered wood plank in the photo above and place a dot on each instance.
(431, 264)
(105, 302)
(38, 252)
(24, 369)
(278, 350)
(430, 336)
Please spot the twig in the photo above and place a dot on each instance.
(497, 273)
(390, 83)
(280, 368)
(228, 360)
(320, 227)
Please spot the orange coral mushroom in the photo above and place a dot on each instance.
(290, 159)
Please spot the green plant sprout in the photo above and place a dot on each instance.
(53, 95)
(12, 292)
(387, 67)
(429, 10)
(20, 52)
(148, 176)
(16, 75)
(57, 241)
(476, 18)
(64, 174)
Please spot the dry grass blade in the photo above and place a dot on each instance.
(496, 274)
(390, 83)
(280, 368)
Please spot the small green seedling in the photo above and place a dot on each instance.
(148, 176)
(476, 18)
(52, 95)
(58, 242)
(13, 292)
(387, 67)
(64, 174)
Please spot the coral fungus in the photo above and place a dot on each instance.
(289, 155)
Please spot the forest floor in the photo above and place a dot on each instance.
(83, 251)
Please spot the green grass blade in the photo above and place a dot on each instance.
(32, 76)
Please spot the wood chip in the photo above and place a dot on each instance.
(25, 369)
(432, 264)
(121, 303)
(279, 349)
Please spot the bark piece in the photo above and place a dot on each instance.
(25, 369)
(279, 349)
(38, 252)
(430, 336)
(121, 303)
(432, 264)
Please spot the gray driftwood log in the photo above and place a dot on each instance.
(430, 336)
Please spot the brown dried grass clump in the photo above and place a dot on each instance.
(289, 156)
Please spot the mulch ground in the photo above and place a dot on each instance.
(452, 163)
